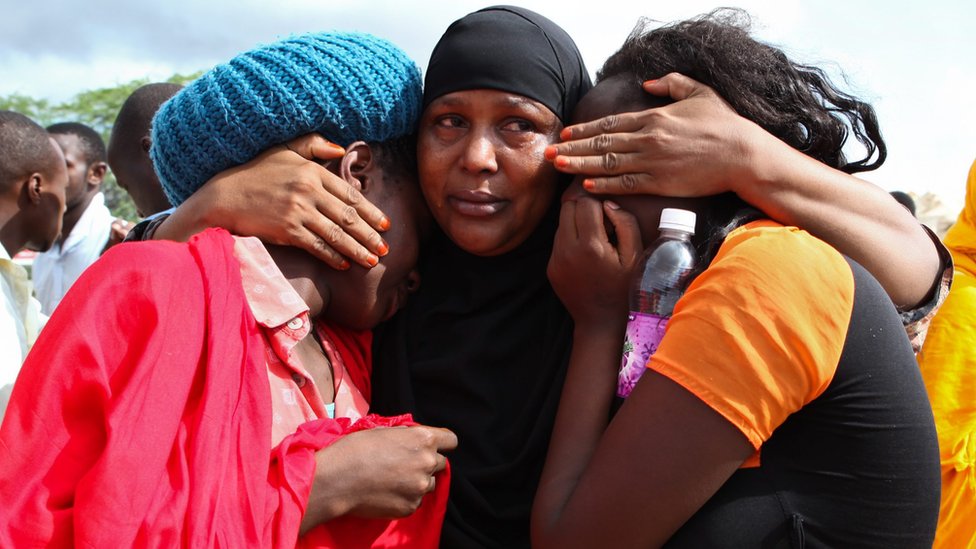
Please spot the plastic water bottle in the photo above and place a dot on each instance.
(661, 277)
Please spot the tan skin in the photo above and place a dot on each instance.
(383, 472)
(634, 482)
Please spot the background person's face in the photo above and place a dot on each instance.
(482, 169)
(74, 157)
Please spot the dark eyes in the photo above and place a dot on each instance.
(450, 121)
(508, 125)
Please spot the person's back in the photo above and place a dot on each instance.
(87, 222)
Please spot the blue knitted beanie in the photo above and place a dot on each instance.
(346, 86)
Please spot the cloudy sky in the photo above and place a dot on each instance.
(916, 61)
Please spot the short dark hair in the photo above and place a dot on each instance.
(91, 143)
(135, 116)
(796, 103)
(25, 148)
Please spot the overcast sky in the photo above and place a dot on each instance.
(913, 60)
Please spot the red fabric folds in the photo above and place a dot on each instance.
(153, 430)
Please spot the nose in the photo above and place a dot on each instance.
(479, 154)
(413, 281)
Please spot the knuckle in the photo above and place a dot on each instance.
(602, 143)
(610, 162)
(349, 216)
(353, 196)
(629, 182)
(333, 234)
(609, 123)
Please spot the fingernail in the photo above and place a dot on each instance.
(337, 148)
(550, 153)
(385, 223)
(344, 266)
(566, 134)
(384, 248)
(561, 162)
(372, 260)
(589, 184)
(611, 204)
(650, 82)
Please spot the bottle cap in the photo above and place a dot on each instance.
(681, 220)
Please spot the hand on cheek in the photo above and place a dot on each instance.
(589, 272)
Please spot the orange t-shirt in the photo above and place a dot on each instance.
(759, 334)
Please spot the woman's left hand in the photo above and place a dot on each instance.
(588, 272)
(696, 146)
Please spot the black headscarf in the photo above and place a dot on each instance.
(482, 348)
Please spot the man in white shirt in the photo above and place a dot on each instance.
(87, 222)
(33, 178)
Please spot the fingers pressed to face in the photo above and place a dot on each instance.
(675, 85)
(628, 183)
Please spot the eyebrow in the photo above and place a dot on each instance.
(509, 100)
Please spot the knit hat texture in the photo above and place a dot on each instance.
(345, 86)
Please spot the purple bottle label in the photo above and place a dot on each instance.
(644, 334)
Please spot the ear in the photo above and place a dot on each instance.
(34, 188)
(145, 143)
(96, 173)
(356, 165)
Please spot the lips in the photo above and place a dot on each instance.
(476, 203)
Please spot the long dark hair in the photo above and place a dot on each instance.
(796, 103)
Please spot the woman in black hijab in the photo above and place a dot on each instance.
(482, 347)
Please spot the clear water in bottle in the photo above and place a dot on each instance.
(661, 277)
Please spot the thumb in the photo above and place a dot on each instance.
(674, 85)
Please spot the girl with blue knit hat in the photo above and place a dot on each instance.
(217, 392)
(483, 346)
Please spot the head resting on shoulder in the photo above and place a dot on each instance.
(358, 91)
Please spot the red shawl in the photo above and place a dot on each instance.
(142, 417)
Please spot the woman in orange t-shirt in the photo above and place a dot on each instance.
(784, 406)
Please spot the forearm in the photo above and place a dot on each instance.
(857, 218)
(584, 412)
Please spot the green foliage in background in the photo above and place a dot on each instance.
(95, 108)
